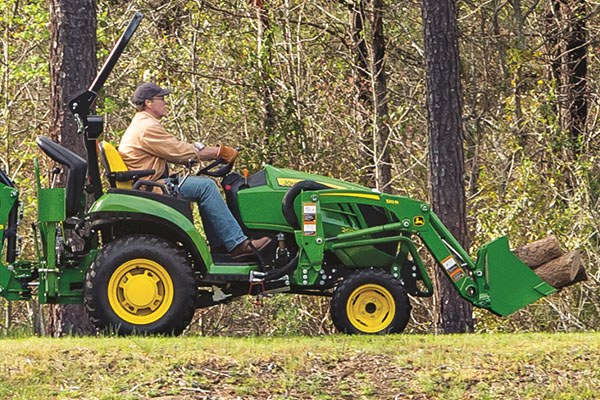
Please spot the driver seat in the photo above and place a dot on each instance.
(116, 171)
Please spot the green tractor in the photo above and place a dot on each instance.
(140, 265)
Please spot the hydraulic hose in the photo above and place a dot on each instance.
(287, 204)
(286, 269)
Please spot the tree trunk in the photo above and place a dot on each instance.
(518, 73)
(567, 38)
(382, 161)
(370, 81)
(361, 73)
(361, 55)
(72, 69)
(263, 46)
(446, 158)
(576, 66)
(68, 319)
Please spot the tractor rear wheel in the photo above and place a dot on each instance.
(141, 284)
(370, 302)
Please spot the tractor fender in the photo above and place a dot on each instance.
(116, 224)
(287, 204)
(130, 213)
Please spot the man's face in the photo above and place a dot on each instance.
(157, 106)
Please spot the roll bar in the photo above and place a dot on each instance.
(91, 125)
(80, 106)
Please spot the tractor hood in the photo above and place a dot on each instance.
(285, 178)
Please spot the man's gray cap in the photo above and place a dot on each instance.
(148, 90)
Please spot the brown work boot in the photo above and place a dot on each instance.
(244, 249)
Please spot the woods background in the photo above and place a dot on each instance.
(338, 88)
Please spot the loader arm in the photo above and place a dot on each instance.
(497, 280)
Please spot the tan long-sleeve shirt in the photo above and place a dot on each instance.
(147, 145)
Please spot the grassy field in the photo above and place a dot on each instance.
(492, 366)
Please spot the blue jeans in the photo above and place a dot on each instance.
(220, 226)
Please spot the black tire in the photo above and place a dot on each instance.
(141, 284)
(370, 302)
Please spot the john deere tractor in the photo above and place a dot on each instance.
(138, 262)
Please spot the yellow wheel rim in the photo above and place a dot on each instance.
(371, 308)
(140, 291)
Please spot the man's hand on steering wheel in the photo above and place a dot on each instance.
(228, 154)
(226, 166)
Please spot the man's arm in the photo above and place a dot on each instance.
(158, 142)
(208, 153)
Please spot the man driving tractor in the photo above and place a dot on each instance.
(147, 145)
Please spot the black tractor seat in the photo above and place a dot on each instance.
(76, 169)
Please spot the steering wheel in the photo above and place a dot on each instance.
(224, 170)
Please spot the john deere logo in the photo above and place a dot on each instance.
(419, 220)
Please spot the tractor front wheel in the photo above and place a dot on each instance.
(370, 302)
(141, 284)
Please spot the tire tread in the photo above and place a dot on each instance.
(114, 249)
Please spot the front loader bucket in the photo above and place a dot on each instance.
(511, 284)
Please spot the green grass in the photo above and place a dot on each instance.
(492, 366)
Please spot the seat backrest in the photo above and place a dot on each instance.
(76, 167)
(113, 163)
